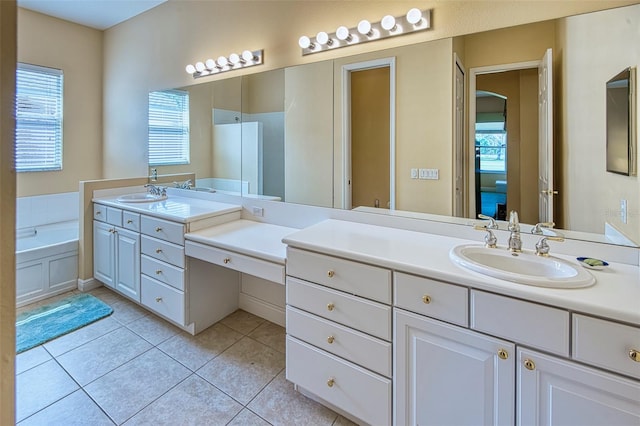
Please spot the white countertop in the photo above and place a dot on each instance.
(616, 294)
(176, 208)
(257, 239)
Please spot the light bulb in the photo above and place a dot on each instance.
(222, 61)
(210, 64)
(364, 27)
(343, 33)
(234, 58)
(388, 23)
(305, 42)
(200, 67)
(190, 69)
(247, 55)
(323, 38)
(414, 16)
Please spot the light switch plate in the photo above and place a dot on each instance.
(414, 173)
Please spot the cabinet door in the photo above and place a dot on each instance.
(447, 375)
(128, 263)
(104, 253)
(553, 391)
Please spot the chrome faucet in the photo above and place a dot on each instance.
(490, 240)
(515, 243)
(159, 191)
(542, 248)
(537, 229)
(187, 184)
(492, 222)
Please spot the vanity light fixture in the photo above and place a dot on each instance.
(234, 61)
(414, 20)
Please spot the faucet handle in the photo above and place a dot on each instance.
(537, 229)
(542, 247)
(514, 223)
(490, 240)
(492, 222)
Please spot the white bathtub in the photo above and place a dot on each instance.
(46, 261)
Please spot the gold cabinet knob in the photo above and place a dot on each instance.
(634, 354)
(331, 382)
(158, 229)
(330, 306)
(158, 299)
(503, 354)
(129, 221)
(330, 273)
(226, 260)
(158, 250)
(426, 299)
(158, 272)
(529, 365)
(98, 213)
(330, 339)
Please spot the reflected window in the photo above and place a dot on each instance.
(168, 127)
(491, 141)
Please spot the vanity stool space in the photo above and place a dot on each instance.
(139, 252)
(463, 348)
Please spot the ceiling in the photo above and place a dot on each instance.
(99, 14)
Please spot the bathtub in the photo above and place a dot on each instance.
(46, 261)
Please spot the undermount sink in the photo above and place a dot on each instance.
(141, 197)
(523, 268)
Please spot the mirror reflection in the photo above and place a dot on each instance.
(302, 145)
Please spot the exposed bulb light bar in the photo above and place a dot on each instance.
(414, 20)
(234, 61)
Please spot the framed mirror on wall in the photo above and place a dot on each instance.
(621, 123)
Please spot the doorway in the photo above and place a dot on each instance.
(369, 134)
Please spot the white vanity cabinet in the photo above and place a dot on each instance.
(117, 251)
(339, 333)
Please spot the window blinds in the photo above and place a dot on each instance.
(168, 127)
(39, 93)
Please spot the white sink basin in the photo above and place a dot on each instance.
(522, 268)
(141, 197)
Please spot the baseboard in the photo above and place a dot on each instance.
(88, 285)
(262, 309)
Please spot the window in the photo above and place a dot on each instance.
(38, 118)
(491, 141)
(168, 127)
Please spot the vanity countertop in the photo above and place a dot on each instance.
(176, 208)
(616, 294)
(257, 239)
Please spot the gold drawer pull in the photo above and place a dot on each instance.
(158, 272)
(634, 354)
(331, 382)
(330, 339)
(129, 221)
(226, 260)
(330, 274)
(158, 229)
(426, 299)
(158, 250)
(158, 299)
(529, 365)
(503, 354)
(330, 307)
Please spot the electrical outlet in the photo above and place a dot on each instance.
(257, 211)
(414, 173)
(623, 211)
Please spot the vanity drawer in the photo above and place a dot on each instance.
(163, 229)
(359, 348)
(100, 212)
(162, 299)
(522, 322)
(162, 271)
(364, 315)
(606, 344)
(131, 221)
(114, 216)
(352, 277)
(238, 262)
(357, 391)
(436, 299)
(162, 250)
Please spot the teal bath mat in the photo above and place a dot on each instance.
(47, 322)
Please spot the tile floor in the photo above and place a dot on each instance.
(133, 368)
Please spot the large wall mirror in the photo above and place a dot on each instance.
(452, 126)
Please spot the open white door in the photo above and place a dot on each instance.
(545, 138)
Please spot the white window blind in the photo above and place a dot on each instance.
(168, 127)
(38, 118)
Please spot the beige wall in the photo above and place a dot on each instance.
(263, 92)
(77, 51)
(586, 184)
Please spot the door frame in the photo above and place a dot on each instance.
(346, 126)
(473, 73)
(459, 145)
